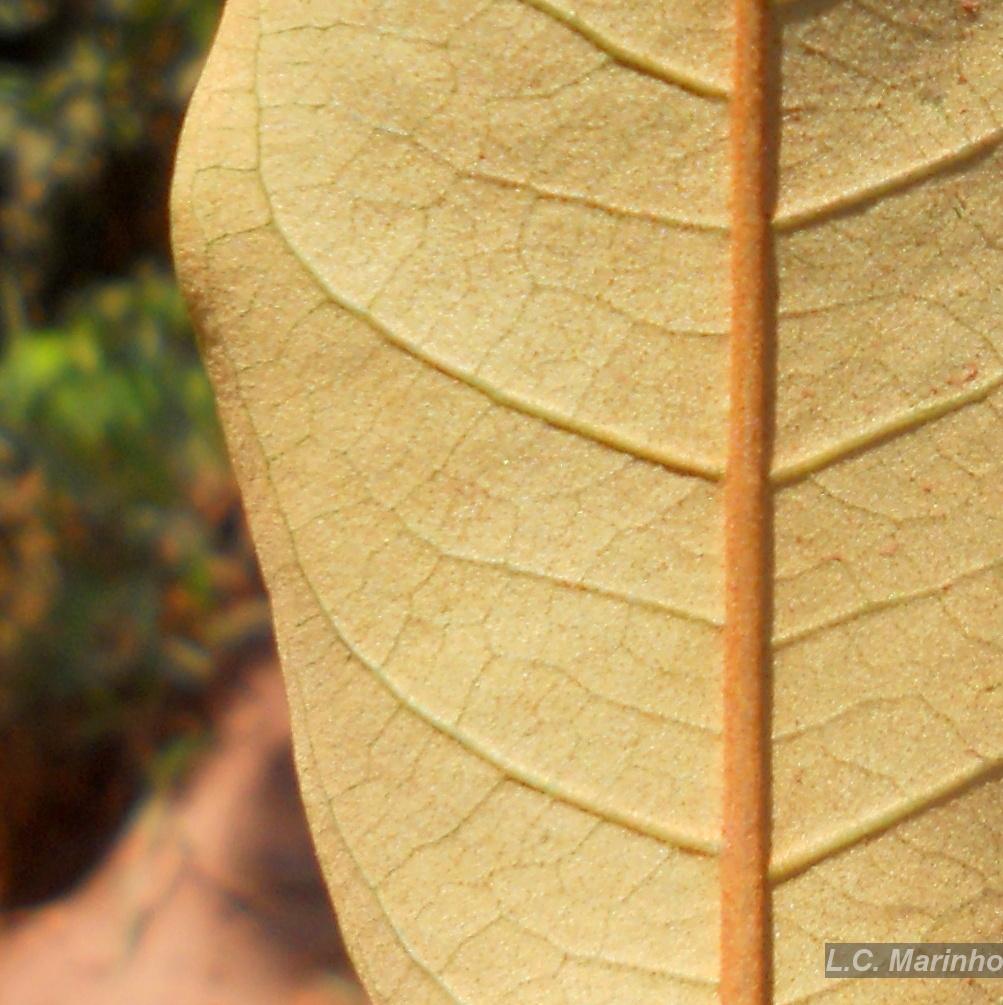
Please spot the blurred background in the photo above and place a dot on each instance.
(152, 844)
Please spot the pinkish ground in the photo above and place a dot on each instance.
(210, 896)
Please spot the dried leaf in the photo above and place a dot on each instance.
(462, 274)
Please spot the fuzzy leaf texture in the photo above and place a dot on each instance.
(461, 272)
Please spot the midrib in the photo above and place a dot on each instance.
(745, 935)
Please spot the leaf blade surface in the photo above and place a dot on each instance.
(465, 305)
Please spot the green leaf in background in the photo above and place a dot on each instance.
(126, 578)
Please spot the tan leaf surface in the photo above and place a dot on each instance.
(462, 274)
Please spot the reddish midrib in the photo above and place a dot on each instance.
(745, 939)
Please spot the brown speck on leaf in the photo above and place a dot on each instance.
(970, 8)
(966, 376)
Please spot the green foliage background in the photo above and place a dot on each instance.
(125, 572)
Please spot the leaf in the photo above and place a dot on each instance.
(471, 280)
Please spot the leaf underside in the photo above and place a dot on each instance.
(461, 273)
